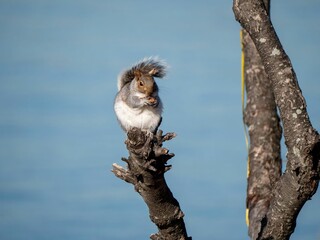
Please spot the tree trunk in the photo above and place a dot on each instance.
(264, 166)
(301, 177)
(261, 118)
(146, 168)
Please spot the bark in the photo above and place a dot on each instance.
(264, 167)
(301, 177)
(261, 118)
(147, 164)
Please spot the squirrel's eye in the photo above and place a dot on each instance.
(141, 83)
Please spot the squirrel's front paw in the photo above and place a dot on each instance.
(151, 101)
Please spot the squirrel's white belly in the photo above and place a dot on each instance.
(145, 118)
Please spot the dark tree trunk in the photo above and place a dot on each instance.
(264, 166)
(146, 168)
(261, 118)
(301, 177)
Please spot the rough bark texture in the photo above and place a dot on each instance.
(261, 118)
(264, 167)
(301, 177)
(146, 168)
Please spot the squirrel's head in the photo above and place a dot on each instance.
(145, 83)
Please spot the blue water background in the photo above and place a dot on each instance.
(59, 137)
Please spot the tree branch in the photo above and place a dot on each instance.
(301, 178)
(147, 164)
(264, 167)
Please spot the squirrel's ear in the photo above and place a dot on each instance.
(153, 71)
(137, 74)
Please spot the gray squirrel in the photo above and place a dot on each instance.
(137, 103)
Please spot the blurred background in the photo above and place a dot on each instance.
(59, 61)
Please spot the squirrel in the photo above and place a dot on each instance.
(137, 103)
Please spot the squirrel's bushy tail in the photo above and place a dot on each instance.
(148, 66)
